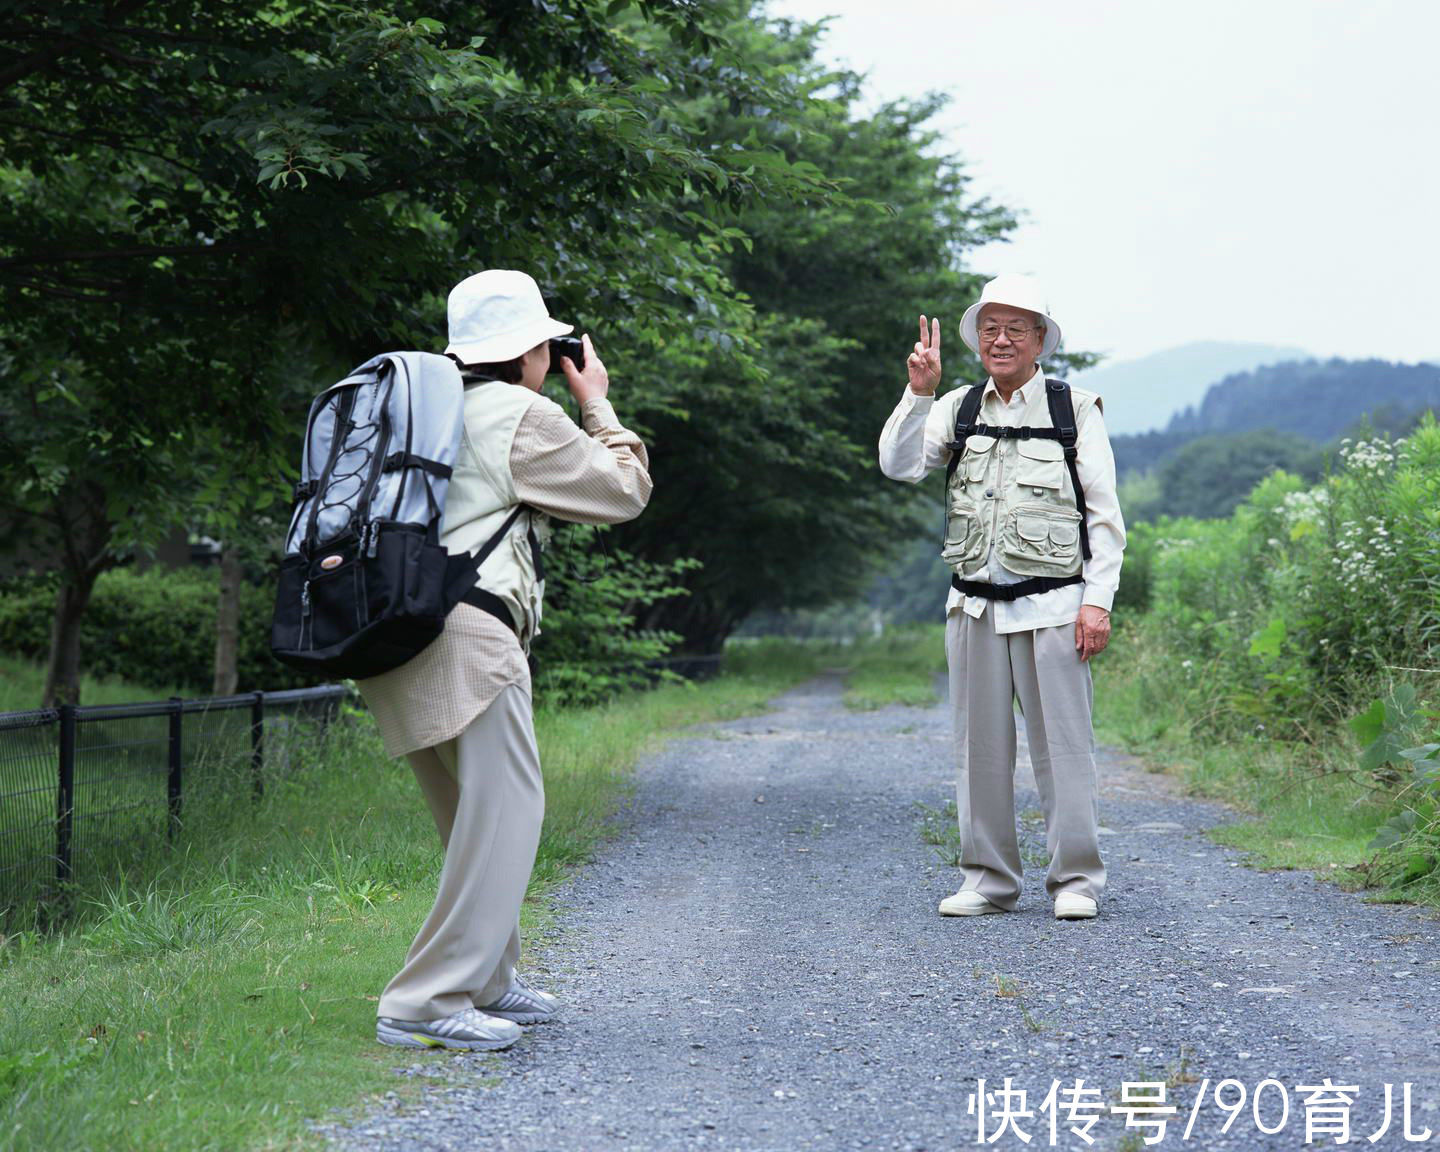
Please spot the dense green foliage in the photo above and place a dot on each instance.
(156, 627)
(152, 628)
(774, 484)
(1311, 605)
(208, 211)
(590, 646)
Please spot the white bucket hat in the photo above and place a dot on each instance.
(1019, 292)
(497, 315)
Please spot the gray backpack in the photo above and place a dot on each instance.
(365, 583)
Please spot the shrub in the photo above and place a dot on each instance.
(152, 627)
(1407, 847)
(589, 647)
(1304, 601)
(158, 626)
(1136, 574)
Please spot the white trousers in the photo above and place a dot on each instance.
(485, 792)
(1041, 668)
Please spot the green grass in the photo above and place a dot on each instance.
(22, 684)
(897, 668)
(1307, 810)
(938, 828)
(231, 996)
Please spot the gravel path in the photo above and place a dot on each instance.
(756, 963)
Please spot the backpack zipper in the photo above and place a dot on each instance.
(370, 529)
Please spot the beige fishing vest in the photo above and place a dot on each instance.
(482, 494)
(1016, 496)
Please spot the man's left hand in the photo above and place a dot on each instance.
(1092, 631)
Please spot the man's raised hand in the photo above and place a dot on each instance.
(924, 363)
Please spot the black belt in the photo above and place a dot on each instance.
(489, 602)
(1013, 591)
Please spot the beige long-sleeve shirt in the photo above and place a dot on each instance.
(596, 476)
(915, 441)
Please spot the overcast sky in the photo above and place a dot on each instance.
(1263, 170)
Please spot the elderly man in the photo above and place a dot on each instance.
(1034, 537)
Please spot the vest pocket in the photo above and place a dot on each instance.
(976, 460)
(1041, 540)
(1041, 464)
(964, 538)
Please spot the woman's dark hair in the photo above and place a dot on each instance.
(506, 371)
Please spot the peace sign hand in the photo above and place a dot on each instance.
(924, 363)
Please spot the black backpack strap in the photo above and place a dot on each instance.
(1011, 592)
(1007, 432)
(397, 460)
(489, 602)
(468, 572)
(1062, 416)
(965, 426)
(476, 596)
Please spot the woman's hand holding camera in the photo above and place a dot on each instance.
(589, 383)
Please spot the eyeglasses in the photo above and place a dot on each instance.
(1014, 331)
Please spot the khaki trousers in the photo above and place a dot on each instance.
(1042, 669)
(485, 792)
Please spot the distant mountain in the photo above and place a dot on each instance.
(1143, 394)
(1314, 399)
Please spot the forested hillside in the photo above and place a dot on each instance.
(1288, 416)
(1319, 400)
(1133, 402)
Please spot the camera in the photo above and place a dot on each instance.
(568, 346)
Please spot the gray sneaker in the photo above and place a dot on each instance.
(524, 1004)
(469, 1029)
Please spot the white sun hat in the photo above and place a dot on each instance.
(1018, 292)
(497, 315)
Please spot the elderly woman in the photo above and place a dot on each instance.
(461, 709)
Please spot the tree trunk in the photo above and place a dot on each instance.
(227, 624)
(62, 676)
(84, 542)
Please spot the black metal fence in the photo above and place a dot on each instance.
(81, 783)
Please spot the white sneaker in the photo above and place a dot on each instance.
(967, 902)
(469, 1029)
(1073, 906)
(524, 1004)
